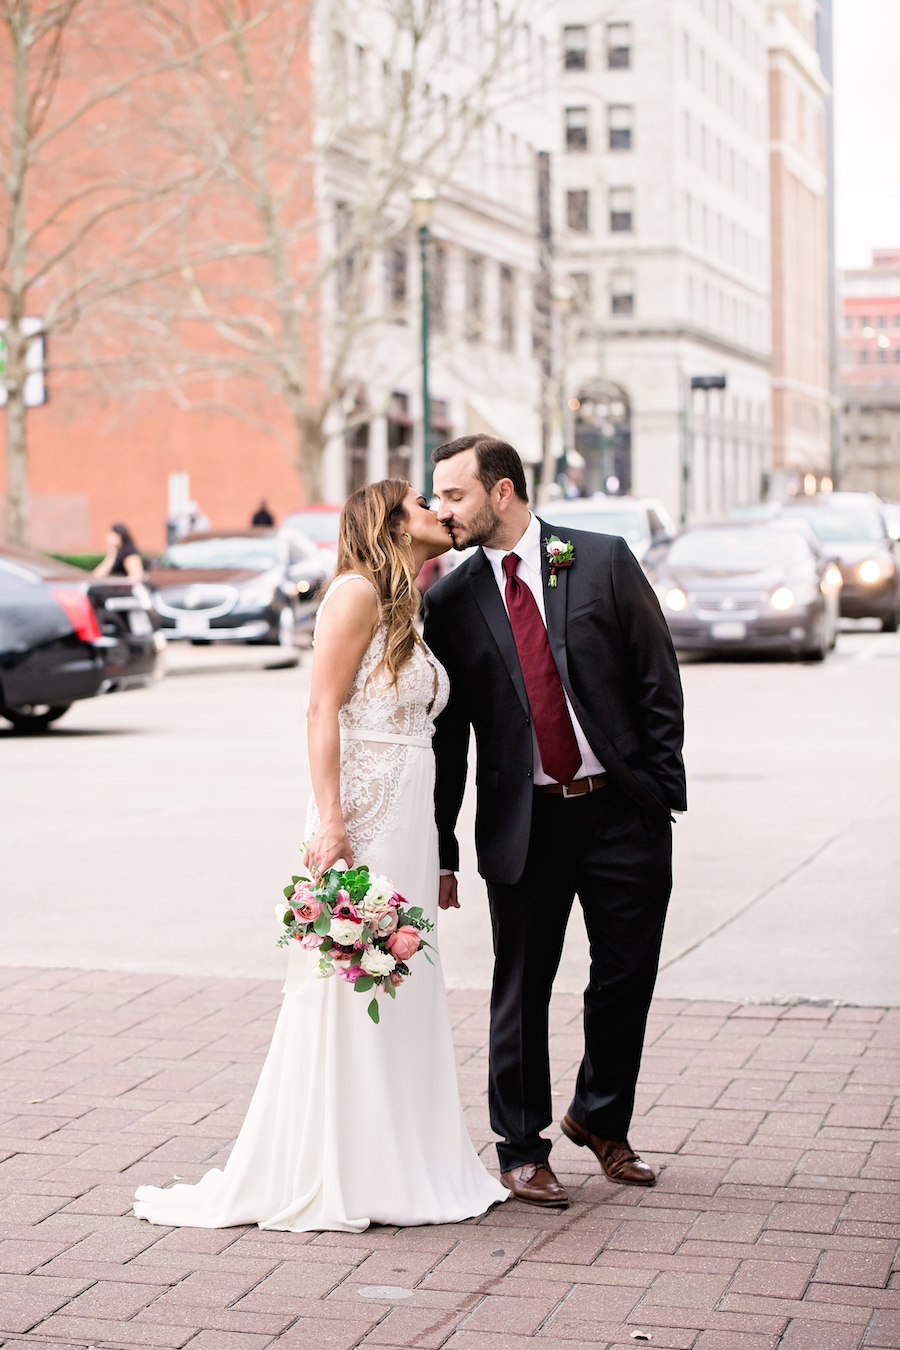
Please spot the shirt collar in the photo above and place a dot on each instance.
(528, 548)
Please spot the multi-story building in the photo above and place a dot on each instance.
(798, 186)
(662, 213)
(870, 371)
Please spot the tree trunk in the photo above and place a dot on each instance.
(17, 507)
(311, 441)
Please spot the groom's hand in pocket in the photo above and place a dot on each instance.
(447, 896)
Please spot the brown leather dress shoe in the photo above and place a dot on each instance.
(535, 1183)
(616, 1156)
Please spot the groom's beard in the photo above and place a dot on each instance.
(484, 528)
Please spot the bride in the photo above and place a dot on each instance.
(353, 1123)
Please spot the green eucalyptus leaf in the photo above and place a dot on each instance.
(373, 1012)
(364, 983)
(322, 924)
(326, 946)
(288, 892)
(386, 984)
(415, 913)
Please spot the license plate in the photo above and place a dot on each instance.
(192, 625)
(729, 632)
(139, 622)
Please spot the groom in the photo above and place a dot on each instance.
(568, 676)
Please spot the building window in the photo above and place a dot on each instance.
(356, 447)
(621, 293)
(575, 47)
(580, 286)
(882, 321)
(848, 322)
(396, 281)
(344, 270)
(400, 435)
(618, 46)
(619, 115)
(576, 129)
(577, 210)
(437, 286)
(897, 320)
(474, 296)
(882, 355)
(441, 426)
(507, 309)
(897, 356)
(864, 356)
(621, 210)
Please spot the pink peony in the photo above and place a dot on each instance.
(308, 909)
(350, 973)
(382, 921)
(404, 943)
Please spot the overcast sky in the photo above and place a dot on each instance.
(867, 127)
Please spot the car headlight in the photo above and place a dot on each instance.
(783, 598)
(870, 571)
(676, 600)
(833, 576)
(255, 597)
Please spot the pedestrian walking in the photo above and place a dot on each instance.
(123, 558)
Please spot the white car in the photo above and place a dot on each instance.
(643, 522)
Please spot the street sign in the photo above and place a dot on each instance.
(709, 382)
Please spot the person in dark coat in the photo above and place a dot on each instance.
(123, 557)
(263, 516)
(560, 659)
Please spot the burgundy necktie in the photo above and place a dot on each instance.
(558, 747)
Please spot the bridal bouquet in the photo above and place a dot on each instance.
(360, 926)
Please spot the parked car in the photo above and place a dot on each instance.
(320, 523)
(65, 636)
(853, 532)
(257, 585)
(643, 522)
(749, 587)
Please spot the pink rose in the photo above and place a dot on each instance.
(308, 910)
(382, 921)
(395, 979)
(311, 941)
(350, 973)
(404, 943)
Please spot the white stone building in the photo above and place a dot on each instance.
(483, 260)
(662, 234)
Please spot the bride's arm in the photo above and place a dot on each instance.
(345, 629)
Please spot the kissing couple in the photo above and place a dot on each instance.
(563, 665)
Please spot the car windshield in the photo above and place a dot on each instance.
(842, 524)
(626, 524)
(748, 550)
(320, 526)
(254, 554)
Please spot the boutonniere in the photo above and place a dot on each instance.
(561, 554)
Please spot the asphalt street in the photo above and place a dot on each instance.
(153, 831)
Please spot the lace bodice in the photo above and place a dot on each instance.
(374, 771)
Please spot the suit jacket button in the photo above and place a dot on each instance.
(529, 773)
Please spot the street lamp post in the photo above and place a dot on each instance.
(563, 299)
(423, 211)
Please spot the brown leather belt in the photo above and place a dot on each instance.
(579, 787)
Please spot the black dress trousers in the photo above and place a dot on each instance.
(618, 860)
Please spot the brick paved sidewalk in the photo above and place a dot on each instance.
(775, 1221)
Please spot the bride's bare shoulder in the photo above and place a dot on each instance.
(351, 600)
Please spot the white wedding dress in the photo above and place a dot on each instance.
(353, 1123)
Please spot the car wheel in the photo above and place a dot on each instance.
(891, 621)
(819, 649)
(287, 627)
(34, 717)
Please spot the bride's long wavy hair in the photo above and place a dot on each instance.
(371, 542)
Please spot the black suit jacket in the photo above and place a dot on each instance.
(615, 657)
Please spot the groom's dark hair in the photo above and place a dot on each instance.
(494, 459)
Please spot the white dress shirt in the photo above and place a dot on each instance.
(529, 571)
